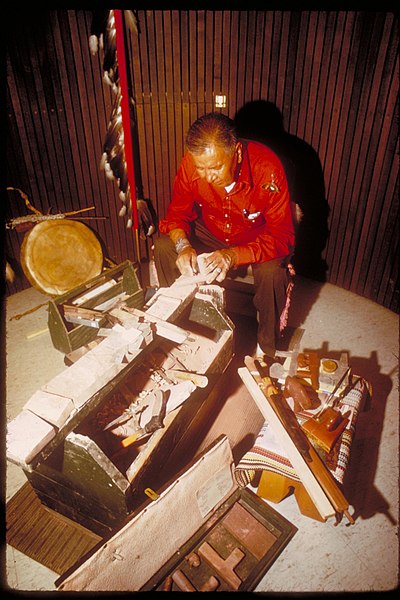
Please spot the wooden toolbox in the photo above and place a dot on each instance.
(120, 282)
(80, 468)
(201, 533)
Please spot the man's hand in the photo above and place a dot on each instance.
(187, 261)
(217, 264)
(187, 255)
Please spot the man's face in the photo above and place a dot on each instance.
(216, 166)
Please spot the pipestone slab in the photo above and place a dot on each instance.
(51, 407)
(26, 435)
(93, 370)
(54, 403)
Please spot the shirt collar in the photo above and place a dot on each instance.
(245, 178)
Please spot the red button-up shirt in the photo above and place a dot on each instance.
(254, 218)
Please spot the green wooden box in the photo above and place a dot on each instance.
(119, 282)
(82, 474)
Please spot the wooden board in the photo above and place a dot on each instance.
(45, 536)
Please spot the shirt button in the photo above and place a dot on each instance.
(226, 216)
(228, 224)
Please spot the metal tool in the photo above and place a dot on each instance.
(126, 416)
(159, 409)
(332, 394)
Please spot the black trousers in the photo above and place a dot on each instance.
(271, 280)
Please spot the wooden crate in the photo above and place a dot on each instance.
(202, 515)
(81, 474)
(119, 281)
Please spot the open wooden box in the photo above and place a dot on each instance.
(82, 472)
(200, 532)
(99, 292)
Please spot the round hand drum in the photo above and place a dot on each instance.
(59, 255)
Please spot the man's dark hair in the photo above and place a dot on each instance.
(211, 129)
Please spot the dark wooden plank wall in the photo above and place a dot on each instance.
(333, 75)
(58, 110)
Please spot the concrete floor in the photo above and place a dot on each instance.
(320, 557)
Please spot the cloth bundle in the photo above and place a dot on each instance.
(267, 454)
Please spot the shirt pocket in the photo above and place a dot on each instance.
(253, 217)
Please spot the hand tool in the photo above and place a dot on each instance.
(196, 378)
(163, 328)
(159, 409)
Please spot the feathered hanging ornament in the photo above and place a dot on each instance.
(113, 160)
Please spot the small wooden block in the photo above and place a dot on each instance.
(224, 567)
(275, 487)
(249, 531)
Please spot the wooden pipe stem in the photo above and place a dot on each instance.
(182, 581)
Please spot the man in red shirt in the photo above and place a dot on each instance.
(230, 201)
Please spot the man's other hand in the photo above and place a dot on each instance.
(216, 265)
(187, 261)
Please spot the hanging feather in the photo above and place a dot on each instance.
(113, 162)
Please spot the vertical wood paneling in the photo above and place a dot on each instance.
(283, 48)
(193, 66)
(234, 58)
(155, 82)
(217, 55)
(360, 221)
(305, 109)
(200, 62)
(250, 66)
(185, 69)
(290, 101)
(298, 52)
(326, 37)
(380, 195)
(176, 53)
(241, 65)
(333, 75)
(338, 140)
(267, 52)
(209, 60)
(273, 75)
(350, 155)
(315, 58)
(169, 91)
(258, 52)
